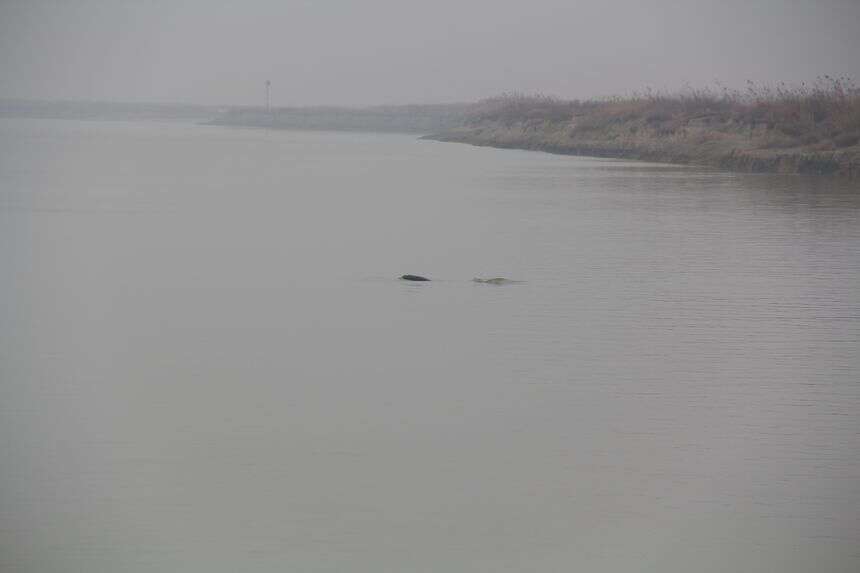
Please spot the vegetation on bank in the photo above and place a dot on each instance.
(804, 129)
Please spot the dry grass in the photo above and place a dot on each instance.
(822, 116)
(805, 129)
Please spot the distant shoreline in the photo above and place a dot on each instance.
(416, 119)
(105, 111)
(804, 131)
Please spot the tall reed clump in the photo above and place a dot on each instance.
(825, 114)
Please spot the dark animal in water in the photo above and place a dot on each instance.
(413, 278)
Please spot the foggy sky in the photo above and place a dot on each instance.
(402, 51)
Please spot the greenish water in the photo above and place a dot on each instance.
(208, 363)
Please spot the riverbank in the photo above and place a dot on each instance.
(806, 130)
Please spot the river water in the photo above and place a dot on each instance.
(207, 363)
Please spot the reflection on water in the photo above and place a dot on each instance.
(209, 364)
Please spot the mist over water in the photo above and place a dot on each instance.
(208, 363)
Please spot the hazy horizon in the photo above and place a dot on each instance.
(396, 52)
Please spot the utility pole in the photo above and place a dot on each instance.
(268, 90)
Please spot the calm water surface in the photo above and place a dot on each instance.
(208, 365)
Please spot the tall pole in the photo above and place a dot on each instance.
(268, 89)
